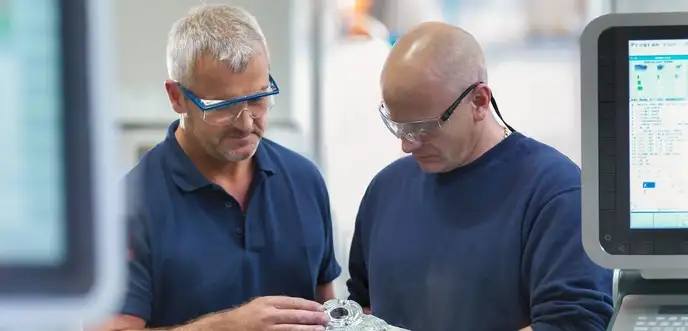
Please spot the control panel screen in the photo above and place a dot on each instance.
(32, 221)
(658, 78)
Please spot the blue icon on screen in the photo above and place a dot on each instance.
(648, 184)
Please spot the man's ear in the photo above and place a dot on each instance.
(482, 96)
(176, 97)
(481, 101)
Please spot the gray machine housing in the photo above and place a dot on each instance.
(651, 292)
(590, 132)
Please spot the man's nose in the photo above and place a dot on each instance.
(409, 146)
(244, 121)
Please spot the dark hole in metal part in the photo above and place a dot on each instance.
(338, 313)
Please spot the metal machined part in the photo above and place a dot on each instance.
(347, 315)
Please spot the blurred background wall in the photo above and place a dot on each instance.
(332, 52)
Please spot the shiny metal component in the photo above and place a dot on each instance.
(347, 315)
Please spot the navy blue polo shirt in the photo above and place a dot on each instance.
(194, 252)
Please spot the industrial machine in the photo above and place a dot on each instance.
(634, 87)
(62, 240)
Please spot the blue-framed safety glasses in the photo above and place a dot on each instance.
(223, 112)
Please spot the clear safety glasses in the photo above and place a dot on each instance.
(428, 129)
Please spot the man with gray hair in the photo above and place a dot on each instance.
(480, 228)
(229, 230)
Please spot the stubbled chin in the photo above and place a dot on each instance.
(242, 152)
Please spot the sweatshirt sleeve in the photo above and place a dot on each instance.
(567, 290)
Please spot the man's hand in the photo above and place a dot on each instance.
(271, 314)
(261, 314)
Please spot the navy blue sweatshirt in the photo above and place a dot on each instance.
(491, 246)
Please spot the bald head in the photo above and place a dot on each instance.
(430, 77)
(433, 55)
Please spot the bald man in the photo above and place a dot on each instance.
(480, 227)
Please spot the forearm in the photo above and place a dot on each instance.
(209, 322)
(188, 327)
(194, 326)
(324, 292)
(202, 324)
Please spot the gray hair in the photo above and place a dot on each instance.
(227, 33)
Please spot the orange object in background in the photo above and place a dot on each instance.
(360, 21)
(356, 17)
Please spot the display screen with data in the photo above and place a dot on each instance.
(658, 130)
(32, 219)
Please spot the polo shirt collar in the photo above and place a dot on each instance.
(188, 177)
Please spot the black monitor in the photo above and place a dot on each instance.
(62, 252)
(635, 140)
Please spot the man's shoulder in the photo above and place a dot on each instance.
(147, 170)
(298, 174)
(290, 161)
(152, 158)
(551, 171)
(403, 168)
(550, 158)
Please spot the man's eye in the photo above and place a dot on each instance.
(231, 107)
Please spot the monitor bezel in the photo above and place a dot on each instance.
(90, 283)
(601, 236)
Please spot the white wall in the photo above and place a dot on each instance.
(537, 91)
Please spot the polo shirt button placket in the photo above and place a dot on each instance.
(239, 230)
